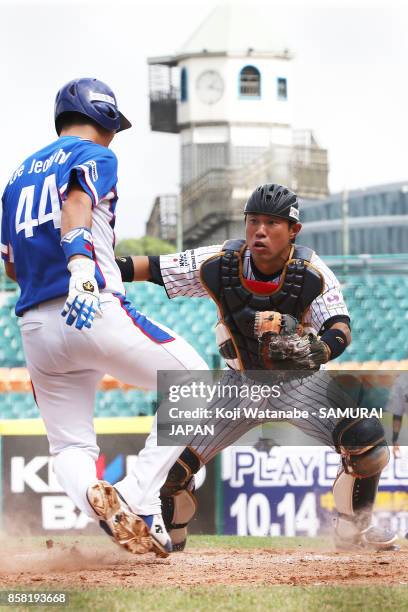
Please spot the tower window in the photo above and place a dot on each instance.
(282, 89)
(250, 82)
(183, 85)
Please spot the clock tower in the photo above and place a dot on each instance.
(228, 92)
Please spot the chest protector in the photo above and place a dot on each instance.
(222, 276)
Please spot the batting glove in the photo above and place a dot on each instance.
(82, 304)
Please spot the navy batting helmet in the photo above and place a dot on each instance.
(274, 200)
(91, 98)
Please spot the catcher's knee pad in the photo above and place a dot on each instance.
(354, 500)
(179, 504)
(362, 445)
(354, 495)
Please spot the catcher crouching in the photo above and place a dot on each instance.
(279, 308)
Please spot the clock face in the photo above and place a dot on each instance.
(210, 86)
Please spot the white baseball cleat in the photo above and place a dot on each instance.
(124, 527)
(160, 539)
(162, 545)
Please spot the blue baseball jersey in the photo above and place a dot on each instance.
(31, 221)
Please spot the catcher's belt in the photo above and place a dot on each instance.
(222, 276)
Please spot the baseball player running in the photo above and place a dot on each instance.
(256, 282)
(57, 242)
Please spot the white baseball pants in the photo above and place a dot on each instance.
(66, 365)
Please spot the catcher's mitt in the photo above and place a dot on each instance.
(276, 333)
(282, 347)
(308, 353)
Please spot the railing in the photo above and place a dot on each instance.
(367, 264)
(304, 169)
(215, 193)
(207, 200)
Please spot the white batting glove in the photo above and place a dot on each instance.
(82, 304)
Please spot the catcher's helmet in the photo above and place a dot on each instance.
(275, 200)
(91, 98)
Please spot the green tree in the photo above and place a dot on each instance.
(148, 245)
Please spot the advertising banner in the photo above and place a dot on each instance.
(34, 503)
(287, 491)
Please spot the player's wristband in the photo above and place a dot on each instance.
(126, 267)
(395, 435)
(336, 340)
(77, 242)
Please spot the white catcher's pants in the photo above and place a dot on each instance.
(66, 365)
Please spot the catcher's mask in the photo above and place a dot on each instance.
(274, 200)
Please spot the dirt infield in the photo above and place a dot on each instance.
(78, 565)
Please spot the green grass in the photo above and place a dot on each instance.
(237, 599)
(245, 599)
(250, 542)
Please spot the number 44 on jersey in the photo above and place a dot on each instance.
(27, 217)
